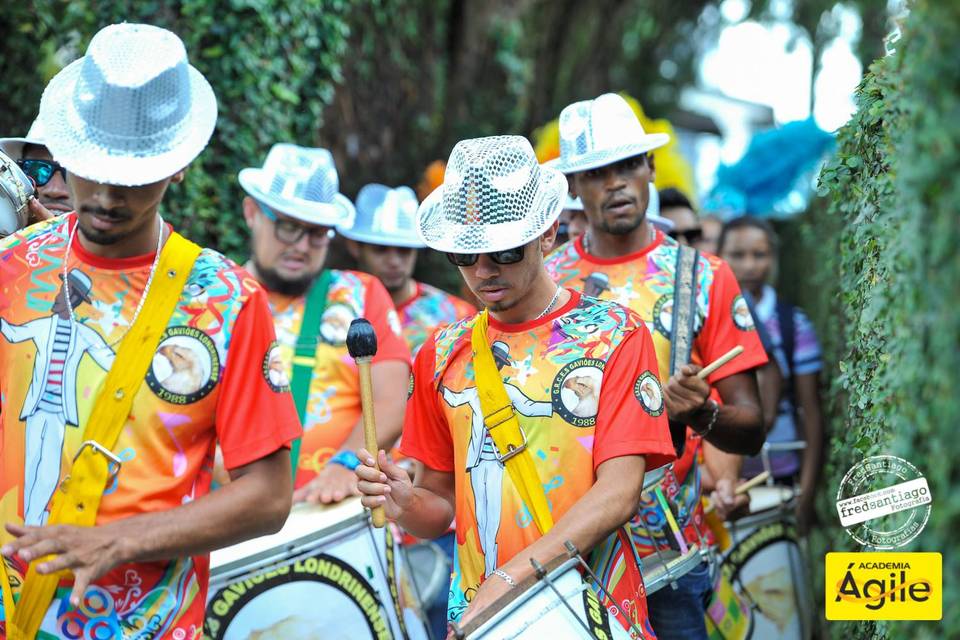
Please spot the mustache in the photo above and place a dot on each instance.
(115, 214)
(493, 282)
(617, 196)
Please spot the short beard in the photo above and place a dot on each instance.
(273, 281)
(621, 228)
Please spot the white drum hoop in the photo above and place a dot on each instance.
(667, 566)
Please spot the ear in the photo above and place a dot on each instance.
(572, 184)
(249, 211)
(353, 248)
(549, 237)
(178, 177)
(652, 165)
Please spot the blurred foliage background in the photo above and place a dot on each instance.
(391, 85)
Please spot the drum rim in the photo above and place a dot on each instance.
(508, 602)
(684, 562)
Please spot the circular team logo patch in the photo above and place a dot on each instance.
(186, 366)
(274, 372)
(648, 391)
(336, 322)
(575, 393)
(742, 317)
(663, 315)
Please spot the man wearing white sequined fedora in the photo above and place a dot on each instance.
(292, 206)
(566, 365)
(608, 158)
(383, 240)
(176, 337)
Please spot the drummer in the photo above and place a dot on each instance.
(569, 366)
(292, 206)
(384, 242)
(607, 155)
(33, 156)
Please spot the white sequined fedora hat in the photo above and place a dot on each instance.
(299, 182)
(386, 217)
(13, 147)
(494, 196)
(598, 132)
(132, 111)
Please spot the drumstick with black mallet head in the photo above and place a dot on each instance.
(362, 345)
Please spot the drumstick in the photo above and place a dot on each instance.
(741, 489)
(671, 520)
(719, 362)
(362, 345)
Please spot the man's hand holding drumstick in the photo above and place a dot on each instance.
(687, 393)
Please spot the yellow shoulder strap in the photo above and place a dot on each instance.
(78, 498)
(501, 421)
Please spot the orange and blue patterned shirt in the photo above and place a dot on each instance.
(427, 310)
(333, 408)
(644, 282)
(208, 383)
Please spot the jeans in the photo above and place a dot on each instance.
(437, 610)
(677, 614)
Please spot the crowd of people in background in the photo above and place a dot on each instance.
(579, 271)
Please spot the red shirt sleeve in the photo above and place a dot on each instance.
(426, 434)
(254, 418)
(632, 416)
(729, 324)
(379, 310)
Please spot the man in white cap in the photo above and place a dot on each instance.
(607, 156)
(292, 206)
(570, 472)
(182, 335)
(384, 242)
(33, 156)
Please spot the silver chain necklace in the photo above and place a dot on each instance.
(146, 289)
(553, 301)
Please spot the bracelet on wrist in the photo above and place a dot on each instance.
(346, 459)
(503, 575)
(713, 406)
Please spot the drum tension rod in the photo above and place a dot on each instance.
(574, 553)
(541, 573)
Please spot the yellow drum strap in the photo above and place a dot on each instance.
(501, 422)
(77, 501)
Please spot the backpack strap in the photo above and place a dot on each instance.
(684, 319)
(788, 342)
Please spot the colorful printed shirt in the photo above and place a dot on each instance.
(207, 384)
(428, 309)
(644, 282)
(805, 361)
(333, 409)
(583, 382)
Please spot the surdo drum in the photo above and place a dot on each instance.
(15, 191)
(326, 574)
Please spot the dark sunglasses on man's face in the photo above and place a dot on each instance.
(690, 235)
(507, 256)
(42, 170)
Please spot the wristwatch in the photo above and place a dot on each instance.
(346, 459)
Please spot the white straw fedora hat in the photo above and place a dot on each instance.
(300, 182)
(13, 147)
(494, 196)
(132, 111)
(595, 133)
(386, 217)
(572, 203)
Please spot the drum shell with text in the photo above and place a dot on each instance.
(326, 574)
(766, 566)
(539, 612)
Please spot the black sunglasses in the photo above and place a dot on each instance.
(42, 171)
(690, 235)
(507, 256)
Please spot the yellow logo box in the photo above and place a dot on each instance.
(884, 586)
